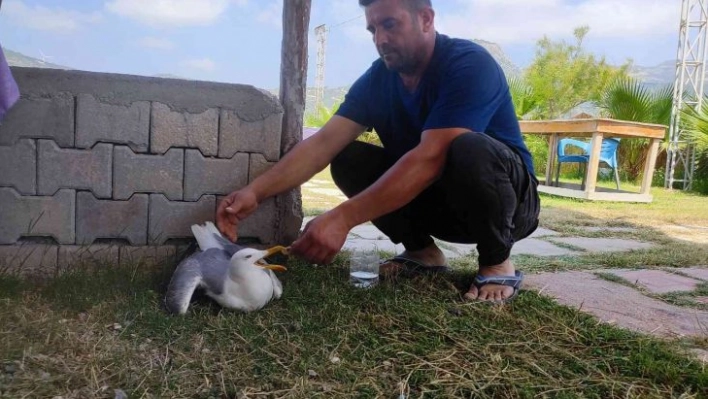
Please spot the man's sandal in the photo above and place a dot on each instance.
(511, 281)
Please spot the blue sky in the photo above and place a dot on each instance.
(238, 41)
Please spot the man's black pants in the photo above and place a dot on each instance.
(484, 196)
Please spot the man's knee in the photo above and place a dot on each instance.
(472, 146)
(357, 166)
(475, 154)
(343, 164)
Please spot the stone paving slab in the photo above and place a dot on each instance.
(367, 236)
(542, 232)
(457, 249)
(368, 231)
(611, 229)
(533, 246)
(657, 281)
(371, 245)
(618, 304)
(697, 272)
(703, 300)
(603, 244)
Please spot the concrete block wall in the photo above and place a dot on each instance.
(113, 168)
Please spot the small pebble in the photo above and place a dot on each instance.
(312, 373)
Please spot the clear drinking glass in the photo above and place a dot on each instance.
(364, 268)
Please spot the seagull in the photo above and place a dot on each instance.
(235, 276)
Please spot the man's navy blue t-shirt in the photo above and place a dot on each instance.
(462, 87)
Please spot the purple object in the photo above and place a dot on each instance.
(9, 93)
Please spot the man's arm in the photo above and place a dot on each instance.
(325, 235)
(408, 177)
(307, 158)
(299, 164)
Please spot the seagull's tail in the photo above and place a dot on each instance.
(207, 236)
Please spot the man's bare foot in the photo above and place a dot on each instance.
(493, 292)
(428, 256)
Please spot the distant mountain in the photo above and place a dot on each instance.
(657, 75)
(332, 95)
(510, 69)
(17, 59)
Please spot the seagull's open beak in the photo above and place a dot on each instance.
(273, 251)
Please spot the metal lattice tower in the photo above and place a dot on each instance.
(321, 32)
(688, 89)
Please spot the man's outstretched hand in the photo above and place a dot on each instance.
(233, 209)
(322, 238)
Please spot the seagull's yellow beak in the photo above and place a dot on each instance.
(273, 251)
(276, 249)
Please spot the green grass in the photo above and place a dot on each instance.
(89, 332)
(97, 329)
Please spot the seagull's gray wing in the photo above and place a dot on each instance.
(215, 269)
(186, 278)
(228, 246)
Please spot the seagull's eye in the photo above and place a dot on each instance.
(248, 256)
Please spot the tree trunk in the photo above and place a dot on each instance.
(293, 82)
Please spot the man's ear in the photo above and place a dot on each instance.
(427, 18)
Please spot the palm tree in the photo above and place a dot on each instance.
(695, 126)
(522, 96)
(526, 107)
(630, 100)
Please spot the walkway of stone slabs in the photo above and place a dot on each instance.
(626, 298)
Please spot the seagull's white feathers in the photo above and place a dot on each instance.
(228, 272)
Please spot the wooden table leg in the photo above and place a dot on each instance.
(593, 163)
(649, 165)
(552, 144)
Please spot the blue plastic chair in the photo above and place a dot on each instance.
(608, 156)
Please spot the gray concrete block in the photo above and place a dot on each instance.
(29, 259)
(183, 129)
(261, 224)
(137, 173)
(258, 165)
(191, 96)
(111, 219)
(34, 216)
(49, 116)
(111, 123)
(212, 175)
(148, 255)
(171, 219)
(102, 255)
(69, 168)
(18, 166)
(260, 136)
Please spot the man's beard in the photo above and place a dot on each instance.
(401, 64)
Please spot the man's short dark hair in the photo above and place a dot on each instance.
(413, 5)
